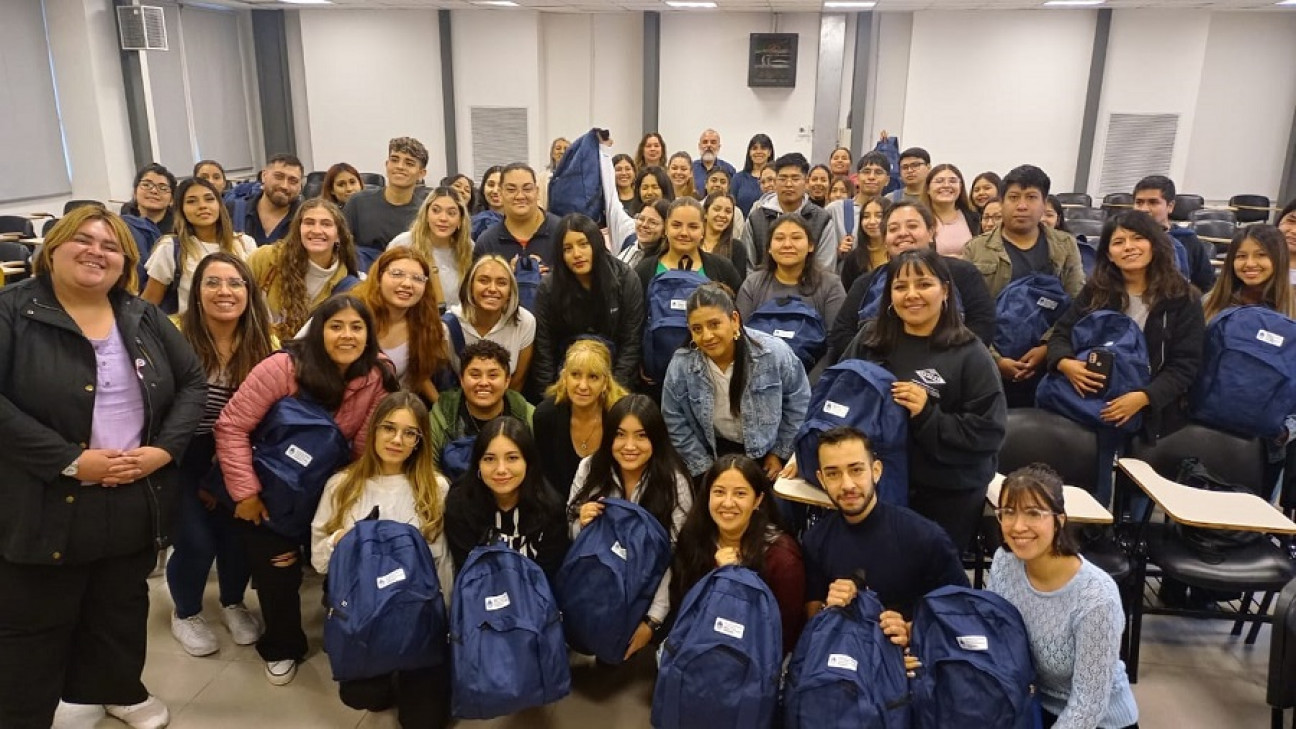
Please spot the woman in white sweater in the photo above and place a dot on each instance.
(397, 476)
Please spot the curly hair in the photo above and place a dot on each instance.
(289, 273)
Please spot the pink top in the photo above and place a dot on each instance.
(951, 237)
(270, 381)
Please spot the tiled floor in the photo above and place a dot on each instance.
(1194, 675)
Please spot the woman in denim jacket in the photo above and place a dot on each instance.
(733, 390)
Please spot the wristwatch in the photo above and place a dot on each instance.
(73, 468)
(654, 624)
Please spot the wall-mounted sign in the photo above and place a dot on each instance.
(772, 61)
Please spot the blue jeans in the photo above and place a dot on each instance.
(203, 536)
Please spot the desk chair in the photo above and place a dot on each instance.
(1258, 568)
(1074, 214)
(1185, 206)
(312, 188)
(17, 224)
(1090, 229)
(1213, 214)
(1251, 208)
(1117, 202)
(1281, 694)
(1074, 200)
(372, 178)
(71, 205)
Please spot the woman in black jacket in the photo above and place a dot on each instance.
(947, 381)
(1135, 274)
(505, 498)
(684, 233)
(99, 395)
(590, 294)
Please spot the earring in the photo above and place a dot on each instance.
(891, 308)
(944, 303)
(737, 335)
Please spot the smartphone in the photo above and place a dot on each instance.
(1100, 362)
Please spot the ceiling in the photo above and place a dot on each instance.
(587, 6)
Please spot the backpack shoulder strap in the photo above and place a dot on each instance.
(456, 332)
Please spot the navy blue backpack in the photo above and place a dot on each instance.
(797, 323)
(1088, 254)
(720, 666)
(456, 457)
(977, 669)
(858, 393)
(385, 611)
(295, 449)
(1247, 383)
(666, 323)
(577, 182)
(845, 672)
(527, 271)
(1025, 310)
(1101, 330)
(506, 641)
(609, 577)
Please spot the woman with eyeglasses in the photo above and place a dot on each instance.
(440, 232)
(149, 212)
(1072, 609)
(202, 227)
(409, 327)
(397, 476)
(649, 232)
(227, 325)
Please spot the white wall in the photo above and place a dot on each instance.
(704, 82)
(593, 75)
(1015, 96)
(1244, 107)
(889, 80)
(355, 106)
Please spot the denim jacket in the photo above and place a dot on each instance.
(773, 403)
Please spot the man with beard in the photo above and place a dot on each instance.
(267, 216)
(901, 555)
(709, 158)
(376, 215)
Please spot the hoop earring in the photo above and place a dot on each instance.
(891, 308)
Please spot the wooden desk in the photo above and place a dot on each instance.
(36, 242)
(1081, 506)
(1209, 509)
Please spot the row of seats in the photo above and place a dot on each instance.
(1244, 208)
(314, 182)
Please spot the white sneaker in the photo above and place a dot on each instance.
(150, 713)
(281, 673)
(242, 624)
(194, 635)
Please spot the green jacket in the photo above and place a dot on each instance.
(445, 426)
(988, 254)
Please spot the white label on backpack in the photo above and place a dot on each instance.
(1047, 303)
(498, 602)
(1270, 338)
(391, 578)
(677, 304)
(618, 550)
(300, 456)
(730, 628)
(973, 643)
(841, 660)
(835, 409)
(784, 334)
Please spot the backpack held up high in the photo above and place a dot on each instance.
(608, 579)
(720, 665)
(506, 642)
(385, 610)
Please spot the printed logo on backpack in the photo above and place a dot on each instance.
(507, 650)
(1025, 310)
(1247, 382)
(720, 665)
(295, 449)
(609, 577)
(385, 610)
(797, 323)
(846, 672)
(665, 325)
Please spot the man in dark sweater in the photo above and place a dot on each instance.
(375, 216)
(1155, 195)
(901, 555)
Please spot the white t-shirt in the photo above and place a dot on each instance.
(722, 421)
(512, 336)
(161, 263)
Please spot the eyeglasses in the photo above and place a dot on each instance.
(398, 275)
(150, 186)
(833, 476)
(1032, 516)
(392, 432)
(514, 191)
(214, 283)
(911, 166)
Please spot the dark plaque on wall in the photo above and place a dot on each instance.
(772, 61)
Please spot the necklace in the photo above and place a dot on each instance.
(582, 448)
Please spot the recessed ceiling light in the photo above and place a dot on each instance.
(690, 5)
(497, 3)
(850, 4)
(1072, 3)
(306, 2)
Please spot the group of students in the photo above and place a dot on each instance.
(485, 399)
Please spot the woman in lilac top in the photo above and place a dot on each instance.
(99, 395)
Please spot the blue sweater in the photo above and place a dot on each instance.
(1075, 635)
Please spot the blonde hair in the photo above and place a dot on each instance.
(68, 226)
(465, 288)
(593, 357)
(461, 244)
(419, 468)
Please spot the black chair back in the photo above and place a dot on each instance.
(1117, 202)
(1074, 199)
(1090, 229)
(1251, 208)
(1039, 436)
(1281, 693)
(1212, 214)
(71, 205)
(1185, 206)
(316, 176)
(17, 224)
(1237, 460)
(1219, 232)
(373, 178)
(312, 189)
(1089, 213)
